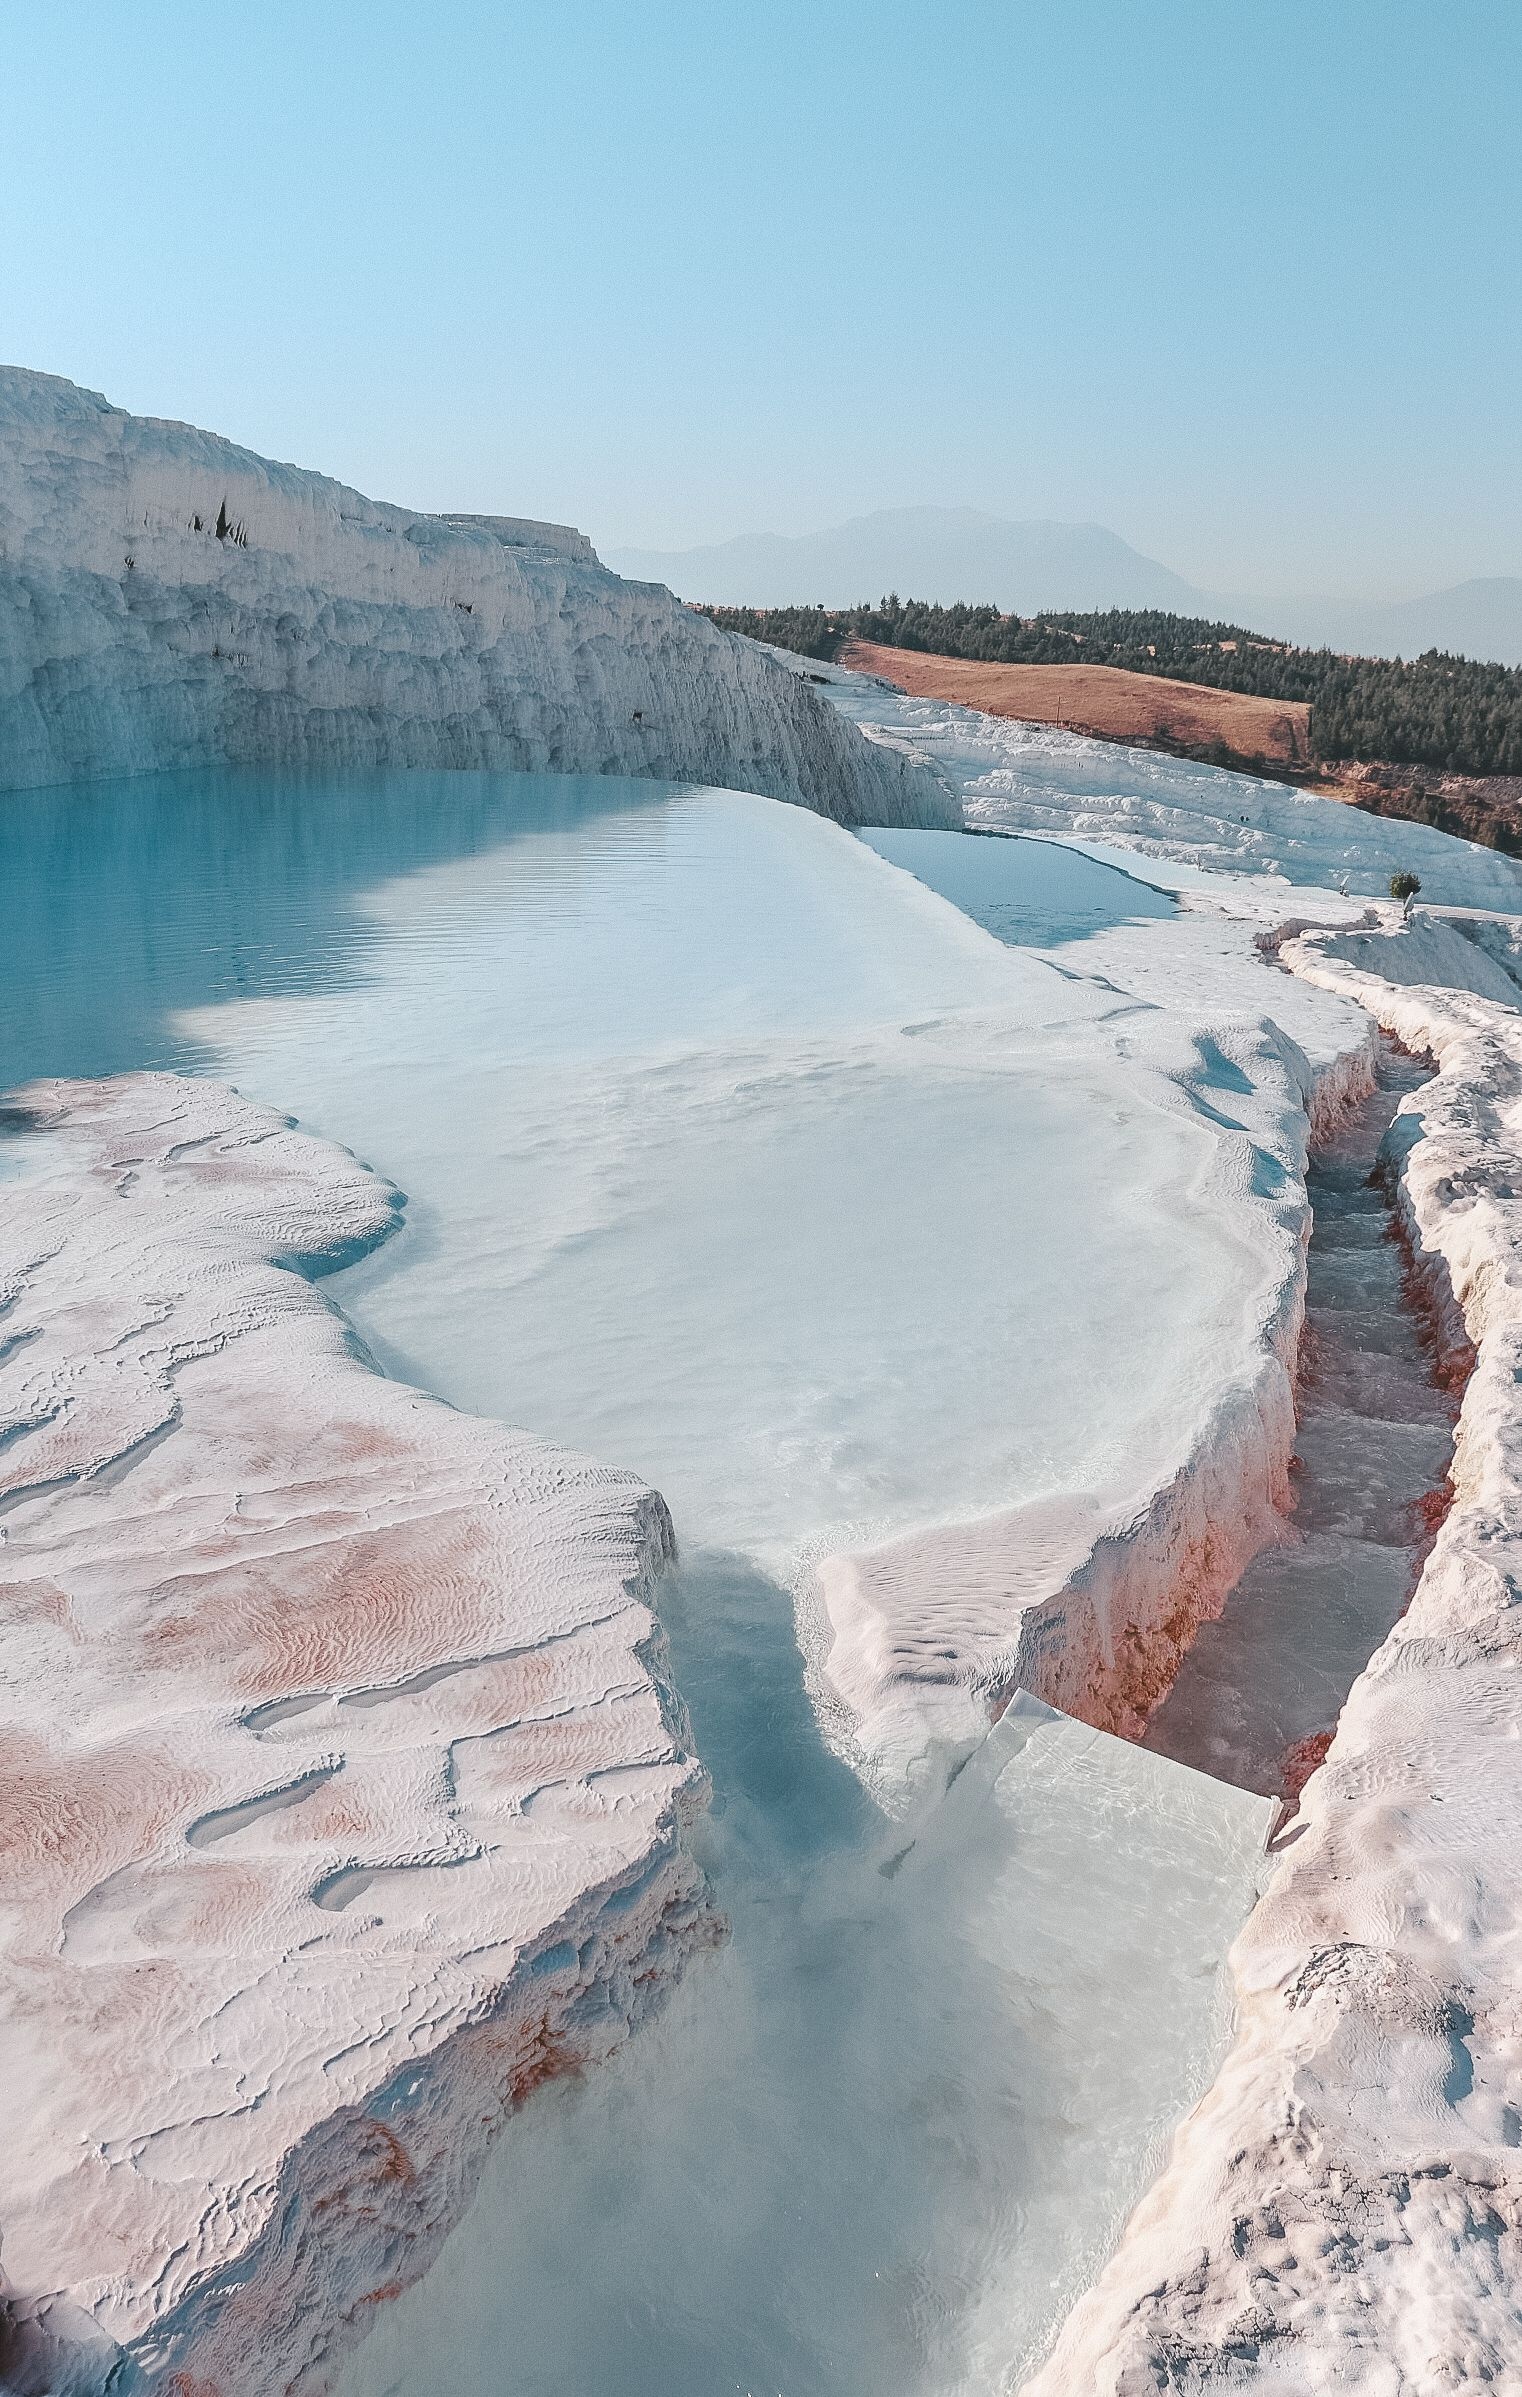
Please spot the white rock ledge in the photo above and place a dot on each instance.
(1089, 1607)
(1344, 2209)
(170, 600)
(344, 1788)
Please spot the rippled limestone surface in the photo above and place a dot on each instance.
(736, 1157)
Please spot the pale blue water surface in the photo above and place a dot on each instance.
(735, 1155)
(1021, 889)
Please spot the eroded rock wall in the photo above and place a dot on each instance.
(170, 600)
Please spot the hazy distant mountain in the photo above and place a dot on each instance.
(948, 554)
(941, 554)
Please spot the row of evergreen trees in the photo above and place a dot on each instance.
(1452, 713)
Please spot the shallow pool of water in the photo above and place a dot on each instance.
(1031, 893)
(736, 1156)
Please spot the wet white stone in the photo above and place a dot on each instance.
(343, 1789)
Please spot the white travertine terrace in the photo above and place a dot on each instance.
(344, 1790)
(1035, 778)
(1344, 2210)
(168, 600)
(1087, 1601)
(1085, 1604)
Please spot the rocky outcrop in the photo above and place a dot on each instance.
(343, 1785)
(170, 600)
(1344, 2210)
(1474, 807)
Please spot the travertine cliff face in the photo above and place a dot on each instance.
(168, 599)
(342, 1791)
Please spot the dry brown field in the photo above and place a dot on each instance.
(1107, 700)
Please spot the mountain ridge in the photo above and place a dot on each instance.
(1029, 565)
(1043, 561)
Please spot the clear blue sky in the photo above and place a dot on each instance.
(1242, 281)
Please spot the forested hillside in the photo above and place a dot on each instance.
(1449, 713)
